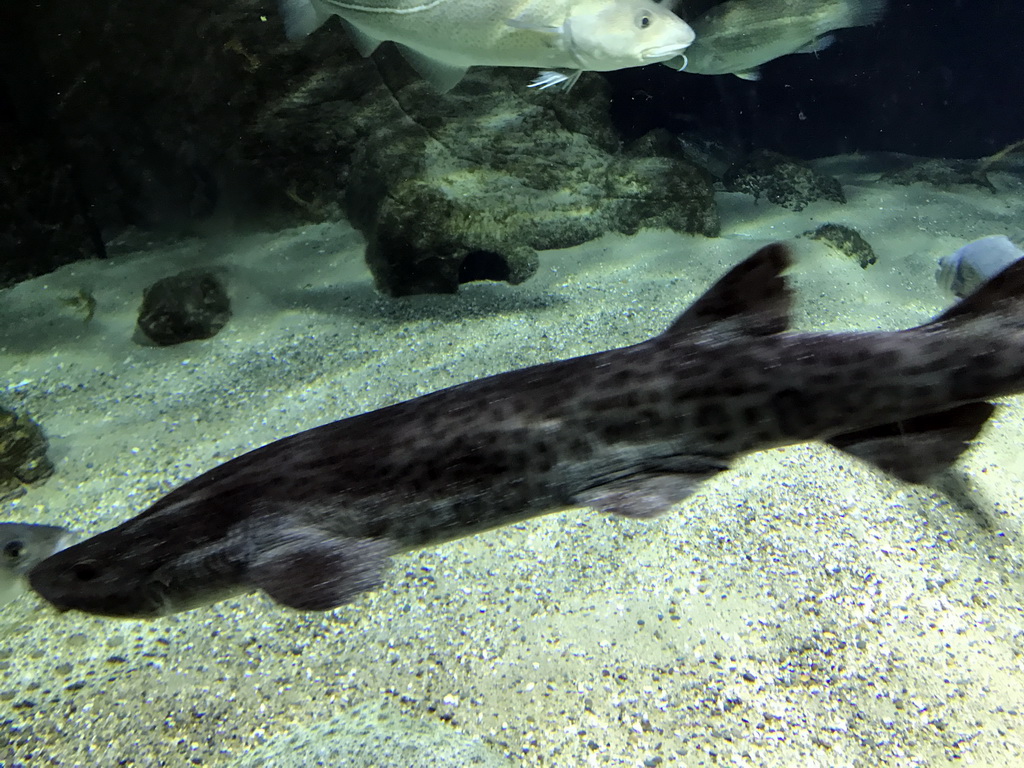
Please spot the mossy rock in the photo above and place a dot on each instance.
(782, 181)
(847, 241)
(23, 459)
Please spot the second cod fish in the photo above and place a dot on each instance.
(441, 39)
(311, 519)
(739, 36)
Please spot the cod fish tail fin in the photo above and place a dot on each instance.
(753, 298)
(301, 17)
(863, 13)
(917, 449)
(1003, 288)
(310, 570)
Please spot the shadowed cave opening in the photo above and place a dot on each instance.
(483, 265)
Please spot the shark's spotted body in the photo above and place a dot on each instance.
(311, 518)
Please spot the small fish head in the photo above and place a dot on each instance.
(613, 34)
(948, 274)
(23, 545)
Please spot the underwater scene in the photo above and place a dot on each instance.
(496, 383)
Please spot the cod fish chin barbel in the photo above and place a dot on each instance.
(311, 519)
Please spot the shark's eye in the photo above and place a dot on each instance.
(643, 21)
(86, 570)
(14, 549)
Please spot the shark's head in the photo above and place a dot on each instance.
(142, 569)
(612, 34)
(181, 558)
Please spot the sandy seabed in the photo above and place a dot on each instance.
(802, 609)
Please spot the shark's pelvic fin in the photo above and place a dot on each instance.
(917, 449)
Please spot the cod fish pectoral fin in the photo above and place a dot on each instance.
(312, 571)
(917, 449)
(547, 78)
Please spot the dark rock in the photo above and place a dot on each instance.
(189, 306)
(470, 185)
(446, 188)
(22, 454)
(847, 241)
(947, 174)
(782, 180)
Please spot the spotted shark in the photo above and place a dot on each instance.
(311, 519)
(442, 39)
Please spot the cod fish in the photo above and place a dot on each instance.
(311, 519)
(23, 545)
(441, 39)
(738, 36)
(961, 272)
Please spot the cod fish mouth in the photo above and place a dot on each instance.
(663, 52)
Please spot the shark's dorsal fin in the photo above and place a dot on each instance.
(753, 297)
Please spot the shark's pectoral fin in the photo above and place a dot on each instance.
(651, 492)
(309, 570)
(917, 449)
(441, 75)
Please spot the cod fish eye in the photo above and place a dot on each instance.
(643, 21)
(14, 549)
